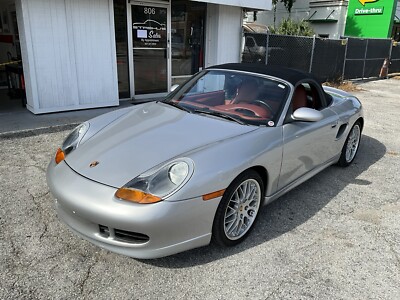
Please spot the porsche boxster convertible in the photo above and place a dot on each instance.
(163, 177)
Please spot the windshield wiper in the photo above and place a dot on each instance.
(177, 106)
(219, 114)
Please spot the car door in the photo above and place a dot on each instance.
(307, 145)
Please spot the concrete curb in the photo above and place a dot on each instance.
(36, 131)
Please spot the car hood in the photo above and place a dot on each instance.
(147, 136)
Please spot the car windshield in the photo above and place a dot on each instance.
(233, 95)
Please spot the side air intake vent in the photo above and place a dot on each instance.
(130, 237)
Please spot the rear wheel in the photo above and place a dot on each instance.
(351, 145)
(238, 209)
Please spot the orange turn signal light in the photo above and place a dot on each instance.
(136, 196)
(213, 195)
(60, 156)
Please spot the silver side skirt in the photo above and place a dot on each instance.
(305, 177)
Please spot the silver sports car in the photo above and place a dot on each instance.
(163, 177)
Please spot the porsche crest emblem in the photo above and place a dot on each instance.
(93, 164)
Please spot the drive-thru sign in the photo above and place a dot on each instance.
(370, 18)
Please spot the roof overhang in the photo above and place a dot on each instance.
(326, 19)
(322, 21)
(252, 4)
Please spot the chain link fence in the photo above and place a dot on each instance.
(328, 59)
(395, 58)
(365, 57)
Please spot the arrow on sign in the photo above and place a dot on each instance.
(366, 1)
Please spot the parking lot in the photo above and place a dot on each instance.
(337, 236)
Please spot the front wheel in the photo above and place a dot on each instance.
(350, 147)
(238, 209)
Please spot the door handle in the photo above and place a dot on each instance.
(334, 124)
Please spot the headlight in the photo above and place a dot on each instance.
(178, 172)
(74, 138)
(158, 184)
(71, 142)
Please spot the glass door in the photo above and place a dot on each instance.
(187, 39)
(150, 43)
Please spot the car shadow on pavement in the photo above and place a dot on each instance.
(289, 211)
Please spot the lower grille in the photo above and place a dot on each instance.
(130, 237)
(123, 235)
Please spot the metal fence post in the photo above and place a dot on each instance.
(312, 54)
(390, 55)
(345, 58)
(365, 59)
(266, 49)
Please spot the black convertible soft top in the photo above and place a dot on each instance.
(291, 75)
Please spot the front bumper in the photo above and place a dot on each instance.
(91, 211)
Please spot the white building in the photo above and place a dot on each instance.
(327, 17)
(79, 54)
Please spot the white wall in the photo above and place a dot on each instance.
(305, 9)
(223, 34)
(254, 4)
(300, 11)
(398, 9)
(335, 10)
(68, 52)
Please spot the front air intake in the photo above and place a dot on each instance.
(130, 237)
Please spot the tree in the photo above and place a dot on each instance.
(290, 27)
(288, 4)
(274, 3)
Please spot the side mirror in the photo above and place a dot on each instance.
(307, 115)
(174, 87)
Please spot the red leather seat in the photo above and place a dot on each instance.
(247, 92)
(299, 98)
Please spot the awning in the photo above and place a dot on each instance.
(322, 21)
(255, 28)
(327, 19)
(252, 4)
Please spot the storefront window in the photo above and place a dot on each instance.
(121, 39)
(187, 37)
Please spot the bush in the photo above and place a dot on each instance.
(290, 27)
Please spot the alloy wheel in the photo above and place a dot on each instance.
(352, 143)
(242, 209)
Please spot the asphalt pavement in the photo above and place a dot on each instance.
(337, 236)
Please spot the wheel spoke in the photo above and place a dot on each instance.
(232, 212)
(235, 197)
(249, 188)
(239, 227)
(234, 225)
(231, 222)
(244, 226)
(252, 194)
(243, 193)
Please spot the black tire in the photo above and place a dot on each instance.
(353, 142)
(246, 212)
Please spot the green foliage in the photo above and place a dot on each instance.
(290, 27)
